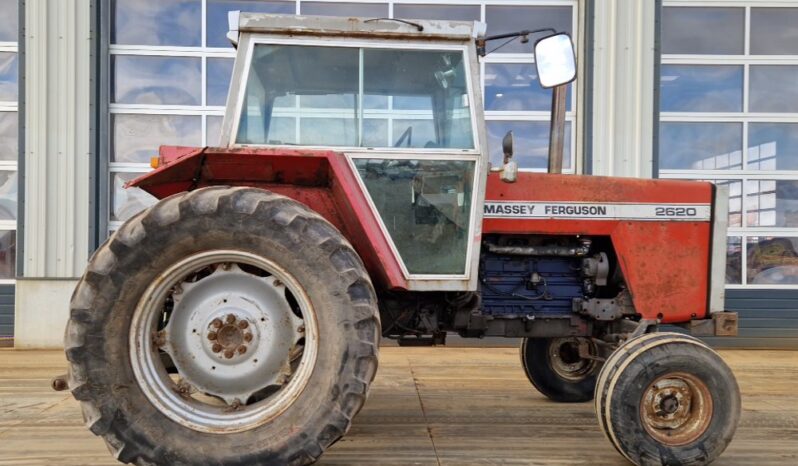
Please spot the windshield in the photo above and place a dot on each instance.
(356, 97)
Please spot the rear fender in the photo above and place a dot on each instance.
(320, 179)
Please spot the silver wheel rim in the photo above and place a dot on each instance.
(234, 337)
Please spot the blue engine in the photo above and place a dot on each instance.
(518, 286)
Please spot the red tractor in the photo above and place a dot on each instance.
(238, 320)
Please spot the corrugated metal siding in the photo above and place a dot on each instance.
(622, 90)
(57, 116)
(768, 319)
(6, 311)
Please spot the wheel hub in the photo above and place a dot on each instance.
(231, 337)
(231, 333)
(676, 409)
(566, 362)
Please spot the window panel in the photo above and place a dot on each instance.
(413, 133)
(772, 260)
(9, 21)
(126, 203)
(773, 88)
(8, 254)
(444, 12)
(217, 26)
(772, 203)
(735, 188)
(9, 76)
(503, 19)
(515, 87)
(213, 127)
(323, 132)
(8, 195)
(774, 31)
(156, 80)
(375, 132)
(365, 10)
(426, 207)
(9, 136)
(699, 30)
(700, 146)
(734, 261)
(156, 22)
(773, 146)
(219, 71)
(701, 88)
(530, 143)
(136, 138)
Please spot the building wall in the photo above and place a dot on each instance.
(56, 164)
(9, 154)
(729, 114)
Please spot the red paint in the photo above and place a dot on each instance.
(322, 180)
(665, 264)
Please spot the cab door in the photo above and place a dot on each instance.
(424, 172)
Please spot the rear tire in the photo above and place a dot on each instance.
(119, 407)
(555, 369)
(667, 398)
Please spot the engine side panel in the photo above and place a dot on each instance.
(520, 286)
(665, 261)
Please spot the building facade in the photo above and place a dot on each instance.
(674, 89)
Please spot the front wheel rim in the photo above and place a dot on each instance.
(676, 409)
(228, 333)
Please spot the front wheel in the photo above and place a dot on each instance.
(223, 326)
(667, 398)
(556, 369)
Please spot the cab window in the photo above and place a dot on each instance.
(356, 97)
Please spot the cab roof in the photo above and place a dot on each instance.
(357, 27)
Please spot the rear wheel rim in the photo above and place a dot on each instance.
(563, 354)
(676, 409)
(242, 335)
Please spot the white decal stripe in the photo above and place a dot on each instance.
(597, 211)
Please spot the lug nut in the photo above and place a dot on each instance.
(242, 349)
(247, 337)
(230, 318)
(216, 348)
(212, 336)
(243, 324)
(229, 354)
(217, 323)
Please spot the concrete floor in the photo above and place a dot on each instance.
(428, 406)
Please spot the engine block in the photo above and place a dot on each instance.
(524, 286)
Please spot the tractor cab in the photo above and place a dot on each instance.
(400, 100)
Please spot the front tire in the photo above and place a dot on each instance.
(250, 247)
(667, 398)
(556, 370)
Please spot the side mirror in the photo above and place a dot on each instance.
(555, 60)
(507, 146)
(510, 168)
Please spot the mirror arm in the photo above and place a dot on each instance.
(482, 42)
(557, 130)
